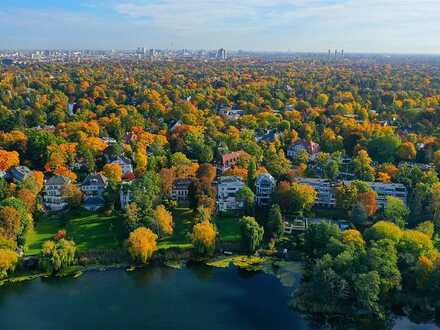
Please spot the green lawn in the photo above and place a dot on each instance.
(89, 230)
(183, 221)
(228, 227)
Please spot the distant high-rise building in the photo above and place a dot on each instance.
(221, 54)
(141, 51)
(152, 53)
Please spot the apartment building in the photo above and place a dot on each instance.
(227, 189)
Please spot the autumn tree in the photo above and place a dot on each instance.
(353, 236)
(163, 220)
(346, 195)
(113, 172)
(369, 201)
(384, 230)
(73, 195)
(10, 222)
(301, 197)
(362, 166)
(57, 256)
(142, 243)
(204, 237)
(407, 151)
(8, 260)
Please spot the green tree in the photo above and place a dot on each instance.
(383, 147)
(396, 211)
(252, 174)
(359, 214)
(251, 233)
(362, 166)
(275, 223)
(247, 197)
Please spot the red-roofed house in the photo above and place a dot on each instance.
(230, 160)
(311, 147)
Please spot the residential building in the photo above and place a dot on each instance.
(231, 114)
(311, 147)
(180, 190)
(125, 195)
(264, 187)
(227, 189)
(326, 196)
(126, 164)
(18, 173)
(325, 192)
(54, 197)
(383, 190)
(93, 187)
(229, 160)
(267, 136)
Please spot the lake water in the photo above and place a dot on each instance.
(157, 298)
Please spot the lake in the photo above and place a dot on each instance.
(156, 298)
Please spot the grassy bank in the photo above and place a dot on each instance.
(89, 230)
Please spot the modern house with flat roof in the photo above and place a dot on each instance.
(227, 189)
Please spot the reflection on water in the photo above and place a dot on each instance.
(157, 298)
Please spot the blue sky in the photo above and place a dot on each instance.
(403, 26)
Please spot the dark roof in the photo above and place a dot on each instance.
(58, 180)
(95, 179)
(181, 183)
(19, 172)
(122, 159)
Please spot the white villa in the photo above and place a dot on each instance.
(228, 187)
(54, 198)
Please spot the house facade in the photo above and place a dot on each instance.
(229, 160)
(325, 191)
(93, 187)
(125, 195)
(326, 195)
(54, 197)
(125, 163)
(180, 190)
(296, 147)
(264, 188)
(227, 189)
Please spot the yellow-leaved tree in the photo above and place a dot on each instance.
(142, 243)
(163, 220)
(353, 236)
(204, 236)
(8, 260)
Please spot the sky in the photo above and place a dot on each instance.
(376, 26)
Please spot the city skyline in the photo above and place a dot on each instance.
(389, 26)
